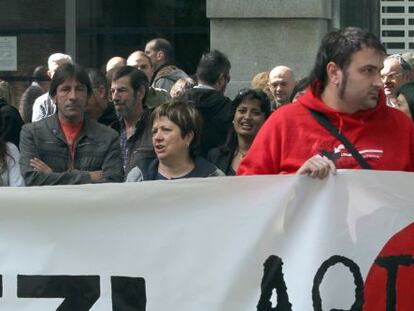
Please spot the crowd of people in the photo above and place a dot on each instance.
(146, 119)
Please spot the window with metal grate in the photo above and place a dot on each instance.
(397, 25)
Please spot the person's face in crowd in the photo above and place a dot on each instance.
(142, 63)
(124, 97)
(153, 54)
(168, 141)
(392, 76)
(248, 118)
(281, 85)
(402, 105)
(97, 100)
(360, 83)
(71, 98)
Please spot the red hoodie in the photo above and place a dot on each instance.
(384, 136)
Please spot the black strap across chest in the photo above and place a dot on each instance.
(327, 124)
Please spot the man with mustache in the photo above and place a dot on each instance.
(129, 87)
(67, 147)
(346, 91)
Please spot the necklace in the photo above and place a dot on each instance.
(242, 154)
(169, 175)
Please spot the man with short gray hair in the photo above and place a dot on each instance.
(396, 72)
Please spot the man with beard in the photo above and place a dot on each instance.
(128, 88)
(68, 148)
(345, 94)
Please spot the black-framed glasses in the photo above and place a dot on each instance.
(391, 75)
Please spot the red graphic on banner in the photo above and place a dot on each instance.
(389, 284)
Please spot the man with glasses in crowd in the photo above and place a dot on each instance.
(395, 73)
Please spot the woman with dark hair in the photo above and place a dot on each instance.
(250, 110)
(405, 99)
(176, 129)
(10, 174)
(299, 89)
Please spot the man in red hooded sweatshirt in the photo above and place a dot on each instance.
(345, 85)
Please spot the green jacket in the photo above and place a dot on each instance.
(97, 148)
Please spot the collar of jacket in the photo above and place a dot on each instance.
(154, 75)
(52, 123)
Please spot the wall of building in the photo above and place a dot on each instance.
(259, 35)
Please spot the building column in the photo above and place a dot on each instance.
(259, 35)
(70, 28)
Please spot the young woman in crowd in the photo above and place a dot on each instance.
(175, 136)
(405, 99)
(10, 174)
(251, 109)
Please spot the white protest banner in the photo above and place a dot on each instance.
(202, 244)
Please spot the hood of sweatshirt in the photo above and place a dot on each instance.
(339, 119)
(208, 99)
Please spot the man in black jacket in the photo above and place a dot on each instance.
(213, 75)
